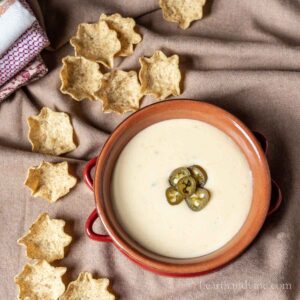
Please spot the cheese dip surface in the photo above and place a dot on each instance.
(140, 179)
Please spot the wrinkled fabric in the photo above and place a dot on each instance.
(244, 56)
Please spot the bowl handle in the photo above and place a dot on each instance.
(94, 215)
(262, 140)
(276, 198)
(91, 233)
(87, 177)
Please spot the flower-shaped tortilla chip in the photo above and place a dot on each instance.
(80, 77)
(46, 239)
(40, 281)
(50, 181)
(125, 29)
(120, 92)
(160, 75)
(51, 132)
(182, 12)
(87, 288)
(96, 42)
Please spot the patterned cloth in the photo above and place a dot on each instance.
(28, 46)
(33, 71)
(21, 63)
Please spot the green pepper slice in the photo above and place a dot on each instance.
(199, 174)
(186, 186)
(198, 200)
(177, 174)
(173, 196)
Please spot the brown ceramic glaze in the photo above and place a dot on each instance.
(217, 117)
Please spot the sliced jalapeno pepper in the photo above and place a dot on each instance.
(177, 174)
(199, 174)
(198, 200)
(173, 196)
(186, 186)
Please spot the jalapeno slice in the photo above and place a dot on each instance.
(199, 174)
(186, 186)
(173, 196)
(198, 200)
(177, 174)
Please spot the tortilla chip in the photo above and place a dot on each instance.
(96, 42)
(51, 132)
(160, 75)
(80, 77)
(120, 92)
(181, 11)
(125, 29)
(40, 281)
(46, 239)
(50, 181)
(87, 288)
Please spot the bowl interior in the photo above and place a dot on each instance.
(217, 117)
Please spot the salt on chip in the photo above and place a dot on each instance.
(40, 281)
(160, 75)
(120, 92)
(46, 239)
(51, 132)
(182, 12)
(50, 181)
(87, 288)
(80, 77)
(96, 42)
(125, 29)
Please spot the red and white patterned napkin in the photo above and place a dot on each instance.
(33, 71)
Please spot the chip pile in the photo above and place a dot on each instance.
(119, 91)
(52, 133)
(45, 242)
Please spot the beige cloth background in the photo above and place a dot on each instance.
(243, 56)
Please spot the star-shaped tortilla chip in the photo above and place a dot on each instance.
(80, 77)
(50, 181)
(120, 92)
(87, 288)
(51, 132)
(182, 12)
(126, 33)
(46, 239)
(96, 42)
(160, 75)
(40, 281)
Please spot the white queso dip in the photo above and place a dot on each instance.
(140, 180)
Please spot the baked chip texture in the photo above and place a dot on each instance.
(182, 12)
(80, 77)
(50, 181)
(120, 92)
(51, 132)
(96, 42)
(46, 239)
(87, 288)
(40, 281)
(160, 75)
(125, 29)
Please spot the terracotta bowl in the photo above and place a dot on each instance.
(174, 109)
